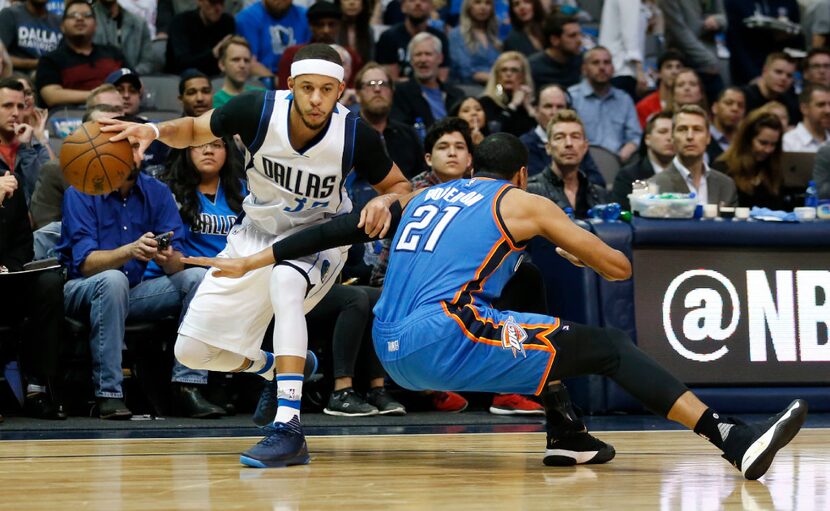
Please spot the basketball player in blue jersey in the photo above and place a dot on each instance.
(300, 145)
(455, 246)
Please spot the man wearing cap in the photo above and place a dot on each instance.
(299, 152)
(195, 37)
(66, 75)
(324, 21)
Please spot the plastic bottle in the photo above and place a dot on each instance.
(420, 128)
(569, 212)
(811, 195)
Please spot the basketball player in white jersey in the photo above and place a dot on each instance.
(300, 145)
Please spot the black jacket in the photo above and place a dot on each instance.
(16, 243)
(641, 170)
(409, 102)
(548, 184)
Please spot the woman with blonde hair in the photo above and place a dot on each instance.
(508, 96)
(753, 161)
(474, 43)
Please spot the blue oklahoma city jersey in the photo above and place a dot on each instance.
(450, 246)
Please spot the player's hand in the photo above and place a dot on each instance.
(144, 248)
(375, 218)
(231, 267)
(570, 257)
(139, 135)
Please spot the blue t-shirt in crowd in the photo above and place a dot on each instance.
(107, 222)
(269, 36)
(435, 98)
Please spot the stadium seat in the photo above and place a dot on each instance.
(607, 162)
(161, 92)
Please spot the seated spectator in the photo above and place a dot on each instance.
(775, 84)
(106, 94)
(271, 26)
(37, 297)
(688, 172)
(6, 66)
(122, 29)
(195, 93)
(508, 96)
(348, 309)
(29, 31)
(34, 116)
(470, 110)
(235, 62)
(623, 25)
(688, 90)
(656, 153)
(561, 61)
(394, 48)
(779, 110)
(20, 151)
(106, 262)
(608, 113)
(526, 35)
(474, 43)
(66, 75)
(812, 132)
(727, 113)
(562, 181)
(425, 98)
(753, 161)
(552, 99)
(821, 172)
(816, 67)
(669, 65)
(356, 33)
(195, 37)
(324, 22)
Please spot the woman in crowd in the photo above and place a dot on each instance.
(508, 95)
(355, 29)
(470, 110)
(688, 90)
(34, 116)
(779, 110)
(474, 43)
(526, 18)
(753, 160)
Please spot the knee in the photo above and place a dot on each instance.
(288, 282)
(618, 341)
(111, 282)
(190, 352)
(191, 278)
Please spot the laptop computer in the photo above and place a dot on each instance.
(797, 169)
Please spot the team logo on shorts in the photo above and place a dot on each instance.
(513, 337)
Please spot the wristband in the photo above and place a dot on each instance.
(156, 129)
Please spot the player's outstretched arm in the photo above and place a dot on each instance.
(178, 133)
(527, 215)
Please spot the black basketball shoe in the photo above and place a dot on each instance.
(577, 448)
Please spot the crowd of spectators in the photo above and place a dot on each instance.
(687, 95)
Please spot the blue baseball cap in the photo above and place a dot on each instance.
(124, 74)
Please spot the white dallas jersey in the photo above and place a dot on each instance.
(289, 189)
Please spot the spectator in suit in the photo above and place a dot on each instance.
(656, 153)
(561, 60)
(508, 95)
(562, 181)
(775, 84)
(122, 29)
(727, 113)
(688, 172)
(425, 97)
(526, 34)
(813, 131)
(195, 36)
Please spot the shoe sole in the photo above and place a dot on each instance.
(758, 457)
(564, 458)
(303, 459)
(512, 411)
(347, 414)
(394, 411)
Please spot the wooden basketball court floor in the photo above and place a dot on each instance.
(666, 470)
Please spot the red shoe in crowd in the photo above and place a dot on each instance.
(448, 402)
(515, 404)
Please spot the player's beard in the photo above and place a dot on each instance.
(308, 124)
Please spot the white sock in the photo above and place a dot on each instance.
(289, 395)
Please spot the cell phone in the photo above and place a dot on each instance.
(163, 240)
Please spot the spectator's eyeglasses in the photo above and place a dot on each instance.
(216, 145)
(516, 70)
(79, 16)
(376, 84)
(819, 66)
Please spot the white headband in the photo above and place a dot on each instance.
(317, 67)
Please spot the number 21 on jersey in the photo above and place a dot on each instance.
(428, 223)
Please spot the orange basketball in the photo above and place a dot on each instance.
(93, 164)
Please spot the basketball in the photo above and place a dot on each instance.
(93, 164)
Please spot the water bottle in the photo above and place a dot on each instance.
(569, 212)
(811, 195)
(420, 128)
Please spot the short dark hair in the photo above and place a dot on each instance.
(11, 83)
(189, 74)
(806, 93)
(652, 120)
(670, 55)
(554, 25)
(501, 154)
(448, 125)
(70, 3)
(731, 88)
(318, 51)
(819, 50)
(778, 55)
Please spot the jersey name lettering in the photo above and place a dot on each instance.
(453, 195)
(298, 181)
